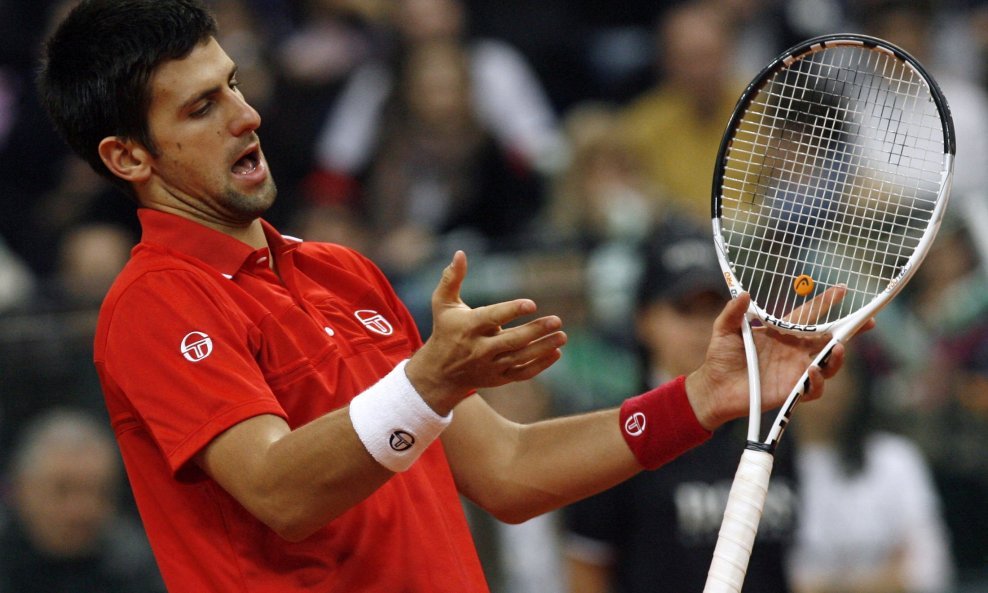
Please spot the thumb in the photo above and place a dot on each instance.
(729, 320)
(448, 289)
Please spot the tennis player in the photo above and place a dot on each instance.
(278, 414)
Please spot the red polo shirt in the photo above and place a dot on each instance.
(196, 335)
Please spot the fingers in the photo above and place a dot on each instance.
(533, 367)
(815, 388)
(517, 347)
(818, 374)
(729, 320)
(818, 307)
(448, 290)
(834, 362)
(494, 316)
(472, 348)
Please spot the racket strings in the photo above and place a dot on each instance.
(833, 171)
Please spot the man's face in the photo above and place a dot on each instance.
(209, 164)
(677, 333)
(66, 498)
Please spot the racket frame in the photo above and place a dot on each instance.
(844, 328)
(750, 488)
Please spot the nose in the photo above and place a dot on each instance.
(246, 118)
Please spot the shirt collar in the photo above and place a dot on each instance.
(216, 249)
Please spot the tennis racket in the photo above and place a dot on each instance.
(834, 171)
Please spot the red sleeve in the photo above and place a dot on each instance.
(182, 355)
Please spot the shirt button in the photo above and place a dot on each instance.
(329, 331)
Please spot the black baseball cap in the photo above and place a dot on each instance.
(679, 262)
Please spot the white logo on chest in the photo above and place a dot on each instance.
(374, 321)
(196, 346)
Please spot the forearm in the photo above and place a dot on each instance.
(295, 481)
(519, 471)
(559, 461)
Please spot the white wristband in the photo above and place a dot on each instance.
(393, 421)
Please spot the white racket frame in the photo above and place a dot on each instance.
(750, 488)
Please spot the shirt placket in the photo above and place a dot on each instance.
(291, 279)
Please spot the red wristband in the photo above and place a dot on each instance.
(659, 425)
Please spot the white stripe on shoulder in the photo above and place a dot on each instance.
(291, 238)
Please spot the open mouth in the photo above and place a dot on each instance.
(247, 163)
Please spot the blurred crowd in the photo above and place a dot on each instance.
(561, 143)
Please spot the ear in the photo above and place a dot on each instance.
(126, 159)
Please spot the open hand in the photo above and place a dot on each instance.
(718, 390)
(471, 349)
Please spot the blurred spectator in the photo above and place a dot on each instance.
(959, 432)
(437, 170)
(312, 61)
(927, 330)
(661, 527)
(919, 27)
(331, 222)
(934, 334)
(979, 27)
(66, 531)
(603, 204)
(332, 38)
(89, 259)
(44, 190)
(16, 280)
(870, 517)
(46, 343)
(507, 99)
(248, 44)
(603, 192)
(676, 127)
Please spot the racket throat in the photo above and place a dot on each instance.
(763, 447)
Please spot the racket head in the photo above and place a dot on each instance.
(834, 170)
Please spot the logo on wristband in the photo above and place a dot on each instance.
(401, 440)
(634, 425)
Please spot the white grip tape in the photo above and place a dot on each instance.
(741, 518)
(393, 421)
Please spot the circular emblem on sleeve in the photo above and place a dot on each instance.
(635, 424)
(401, 440)
(196, 346)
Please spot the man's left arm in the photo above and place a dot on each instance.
(518, 471)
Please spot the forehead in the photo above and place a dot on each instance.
(177, 81)
(62, 460)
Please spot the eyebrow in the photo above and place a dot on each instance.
(208, 92)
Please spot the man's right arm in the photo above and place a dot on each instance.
(296, 481)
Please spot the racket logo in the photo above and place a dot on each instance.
(401, 441)
(803, 284)
(196, 346)
(635, 424)
(782, 323)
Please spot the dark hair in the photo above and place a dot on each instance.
(98, 64)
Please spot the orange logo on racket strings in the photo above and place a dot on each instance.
(803, 284)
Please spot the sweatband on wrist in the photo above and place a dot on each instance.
(393, 421)
(660, 425)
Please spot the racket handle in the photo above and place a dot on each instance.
(740, 524)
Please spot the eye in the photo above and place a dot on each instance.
(202, 111)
